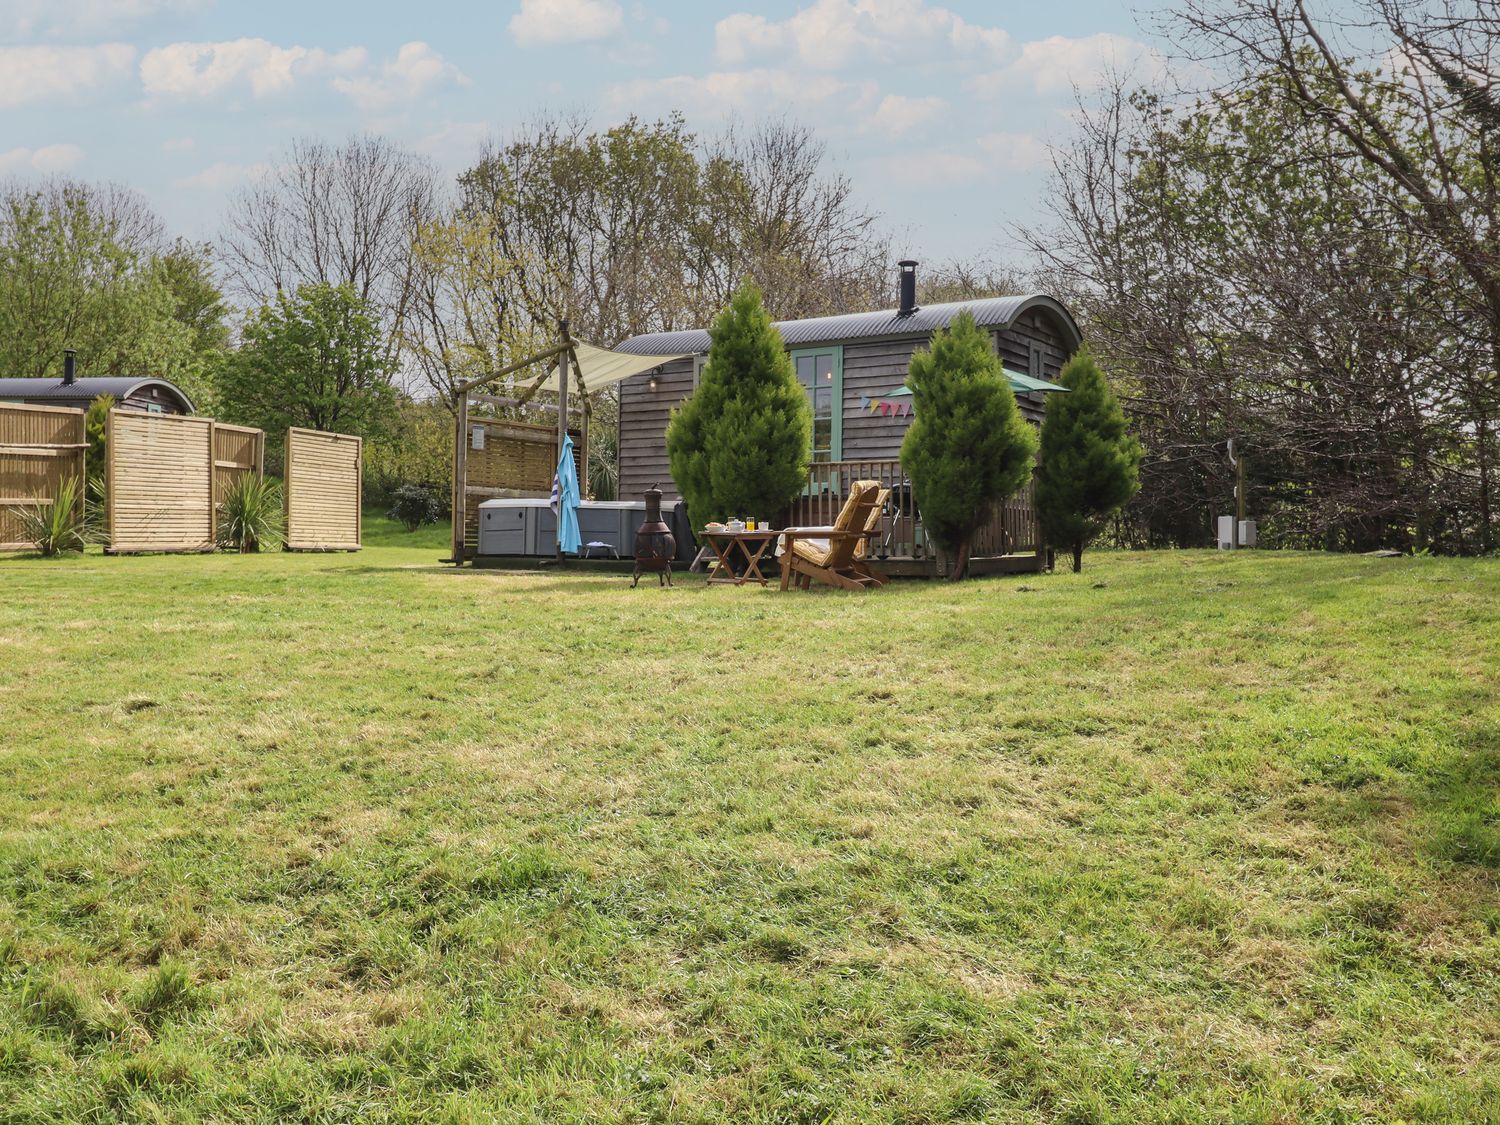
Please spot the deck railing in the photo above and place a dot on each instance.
(1010, 529)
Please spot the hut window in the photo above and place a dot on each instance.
(821, 373)
(699, 363)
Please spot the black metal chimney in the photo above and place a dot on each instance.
(908, 287)
(70, 366)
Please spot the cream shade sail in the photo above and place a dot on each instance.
(601, 368)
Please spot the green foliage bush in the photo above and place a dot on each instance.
(415, 448)
(251, 515)
(316, 359)
(1090, 467)
(96, 433)
(968, 444)
(740, 444)
(413, 505)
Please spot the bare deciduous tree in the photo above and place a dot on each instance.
(341, 214)
(1245, 276)
(775, 212)
(1430, 130)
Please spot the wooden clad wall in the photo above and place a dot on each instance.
(322, 491)
(40, 447)
(238, 451)
(161, 482)
(1035, 325)
(871, 368)
(644, 414)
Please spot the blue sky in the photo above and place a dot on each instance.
(939, 111)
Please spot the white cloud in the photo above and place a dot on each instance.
(34, 74)
(898, 114)
(45, 160)
(416, 69)
(749, 89)
(221, 175)
(456, 142)
(832, 34)
(986, 159)
(195, 70)
(1016, 152)
(1058, 63)
(178, 144)
(75, 19)
(934, 168)
(546, 23)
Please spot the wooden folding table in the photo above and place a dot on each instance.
(748, 545)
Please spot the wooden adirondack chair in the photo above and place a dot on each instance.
(862, 546)
(829, 554)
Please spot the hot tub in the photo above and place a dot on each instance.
(525, 526)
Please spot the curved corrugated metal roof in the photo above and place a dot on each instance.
(989, 312)
(86, 389)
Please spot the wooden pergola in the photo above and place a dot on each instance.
(593, 369)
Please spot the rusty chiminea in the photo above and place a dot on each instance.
(654, 542)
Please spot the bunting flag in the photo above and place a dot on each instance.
(887, 408)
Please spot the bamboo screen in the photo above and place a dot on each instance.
(322, 491)
(40, 447)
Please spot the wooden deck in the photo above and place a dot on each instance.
(1007, 542)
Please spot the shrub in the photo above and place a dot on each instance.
(413, 505)
(251, 515)
(416, 449)
(740, 443)
(968, 445)
(1090, 466)
(63, 525)
(96, 430)
(604, 461)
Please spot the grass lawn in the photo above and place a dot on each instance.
(358, 838)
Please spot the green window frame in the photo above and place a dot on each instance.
(821, 373)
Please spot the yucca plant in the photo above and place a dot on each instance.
(63, 525)
(251, 515)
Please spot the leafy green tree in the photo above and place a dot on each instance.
(740, 444)
(1090, 467)
(315, 359)
(968, 445)
(185, 272)
(83, 267)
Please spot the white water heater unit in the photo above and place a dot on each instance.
(1226, 533)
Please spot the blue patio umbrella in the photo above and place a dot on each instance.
(565, 500)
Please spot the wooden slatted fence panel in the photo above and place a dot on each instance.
(161, 482)
(40, 448)
(238, 451)
(322, 491)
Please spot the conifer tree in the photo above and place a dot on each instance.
(1090, 467)
(968, 444)
(739, 445)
